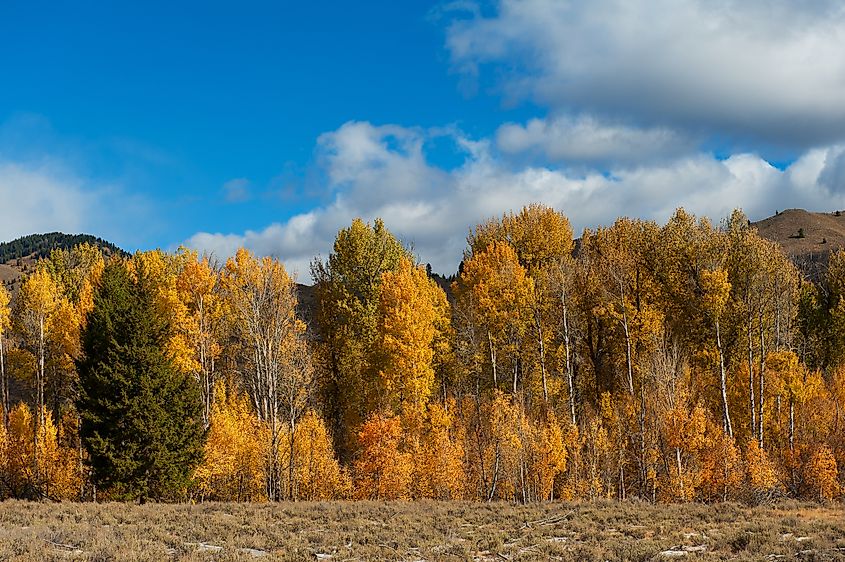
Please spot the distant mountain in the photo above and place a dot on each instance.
(37, 246)
(19, 256)
(808, 238)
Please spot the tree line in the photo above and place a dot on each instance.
(679, 362)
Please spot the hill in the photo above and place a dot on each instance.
(808, 238)
(18, 256)
(38, 246)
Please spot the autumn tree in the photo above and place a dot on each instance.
(317, 474)
(762, 473)
(539, 235)
(383, 469)
(348, 285)
(715, 293)
(721, 466)
(277, 371)
(794, 384)
(197, 289)
(439, 456)
(764, 285)
(5, 324)
(57, 475)
(233, 464)
(495, 287)
(542, 240)
(39, 309)
(822, 474)
(409, 306)
(75, 273)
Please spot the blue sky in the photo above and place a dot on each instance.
(175, 102)
(272, 125)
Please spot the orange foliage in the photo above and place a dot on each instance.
(822, 474)
(439, 454)
(762, 475)
(382, 470)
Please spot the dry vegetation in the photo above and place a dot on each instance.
(420, 531)
(823, 232)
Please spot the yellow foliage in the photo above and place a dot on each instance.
(38, 466)
(159, 271)
(407, 306)
(721, 467)
(5, 312)
(233, 467)
(547, 455)
(496, 291)
(716, 291)
(317, 473)
(762, 474)
(686, 433)
(597, 446)
(540, 235)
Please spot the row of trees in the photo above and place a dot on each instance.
(672, 363)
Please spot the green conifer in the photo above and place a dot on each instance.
(141, 419)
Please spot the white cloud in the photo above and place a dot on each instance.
(383, 172)
(47, 197)
(832, 175)
(37, 201)
(768, 70)
(589, 141)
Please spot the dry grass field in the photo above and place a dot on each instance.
(420, 531)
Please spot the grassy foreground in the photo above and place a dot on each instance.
(420, 531)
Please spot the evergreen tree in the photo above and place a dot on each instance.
(141, 419)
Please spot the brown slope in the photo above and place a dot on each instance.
(12, 272)
(823, 233)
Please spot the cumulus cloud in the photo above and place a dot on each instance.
(752, 69)
(832, 175)
(589, 141)
(383, 172)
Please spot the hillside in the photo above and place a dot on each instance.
(40, 245)
(18, 256)
(823, 233)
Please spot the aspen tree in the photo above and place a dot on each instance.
(38, 303)
(383, 470)
(5, 324)
(233, 463)
(197, 288)
(277, 372)
(347, 287)
(407, 330)
(497, 287)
